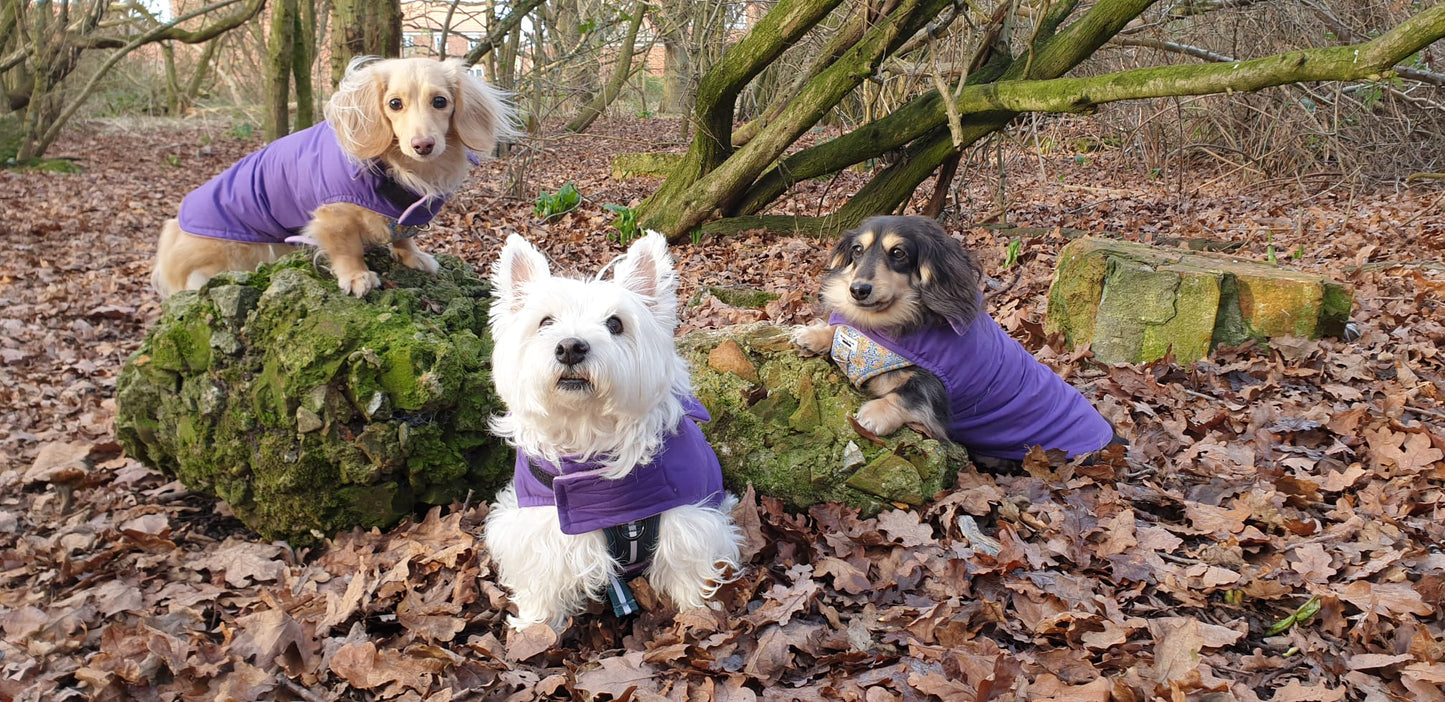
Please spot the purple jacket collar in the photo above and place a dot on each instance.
(685, 471)
(270, 194)
(1001, 399)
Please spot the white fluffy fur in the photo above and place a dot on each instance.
(630, 407)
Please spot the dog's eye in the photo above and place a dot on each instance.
(394, 104)
(546, 322)
(439, 102)
(898, 253)
(614, 325)
(855, 249)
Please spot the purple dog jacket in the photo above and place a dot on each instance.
(1002, 399)
(270, 194)
(685, 471)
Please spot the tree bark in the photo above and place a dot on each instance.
(280, 54)
(363, 28)
(203, 65)
(677, 209)
(303, 58)
(499, 33)
(594, 109)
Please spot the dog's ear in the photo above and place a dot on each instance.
(355, 110)
(519, 265)
(840, 255)
(482, 116)
(948, 277)
(647, 270)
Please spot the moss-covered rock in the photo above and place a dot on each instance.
(1134, 302)
(781, 422)
(310, 411)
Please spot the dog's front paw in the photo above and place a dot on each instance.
(814, 339)
(359, 284)
(415, 259)
(881, 416)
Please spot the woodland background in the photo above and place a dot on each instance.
(1276, 535)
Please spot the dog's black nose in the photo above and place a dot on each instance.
(572, 351)
(423, 145)
(860, 291)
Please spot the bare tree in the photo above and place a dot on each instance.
(42, 42)
(620, 73)
(1014, 68)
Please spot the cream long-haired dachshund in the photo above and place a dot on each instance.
(397, 141)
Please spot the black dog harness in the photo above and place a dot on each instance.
(632, 545)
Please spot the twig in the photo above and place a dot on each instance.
(1428, 413)
(299, 691)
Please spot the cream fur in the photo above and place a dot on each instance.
(476, 116)
(621, 419)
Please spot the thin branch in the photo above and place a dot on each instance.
(156, 34)
(1161, 45)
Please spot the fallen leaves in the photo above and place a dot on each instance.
(1299, 486)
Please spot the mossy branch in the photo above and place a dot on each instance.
(1371, 60)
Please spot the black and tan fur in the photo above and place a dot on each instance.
(897, 275)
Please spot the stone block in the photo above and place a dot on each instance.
(1134, 302)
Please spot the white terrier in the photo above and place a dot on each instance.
(613, 477)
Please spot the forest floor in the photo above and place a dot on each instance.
(1277, 535)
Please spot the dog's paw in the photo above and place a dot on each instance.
(880, 416)
(414, 259)
(814, 339)
(521, 624)
(359, 284)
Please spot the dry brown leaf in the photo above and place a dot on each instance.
(618, 675)
(904, 527)
(1295, 691)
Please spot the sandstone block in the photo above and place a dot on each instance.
(1134, 302)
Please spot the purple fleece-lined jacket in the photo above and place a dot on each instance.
(270, 194)
(685, 471)
(1001, 398)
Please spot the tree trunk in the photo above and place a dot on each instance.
(280, 55)
(203, 65)
(677, 210)
(303, 58)
(173, 88)
(717, 95)
(363, 28)
(594, 109)
(567, 47)
(715, 178)
(676, 77)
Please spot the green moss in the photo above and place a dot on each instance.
(1335, 308)
(791, 438)
(1134, 302)
(747, 298)
(890, 477)
(393, 391)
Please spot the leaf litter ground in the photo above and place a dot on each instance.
(1274, 533)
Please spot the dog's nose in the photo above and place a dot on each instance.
(423, 145)
(572, 351)
(860, 291)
